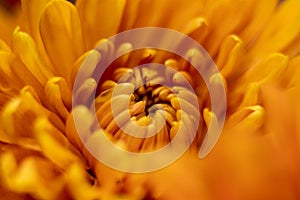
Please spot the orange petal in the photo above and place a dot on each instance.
(62, 155)
(248, 118)
(59, 96)
(61, 33)
(281, 31)
(79, 185)
(224, 18)
(231, 53)
(268, 70)
(34, 176)
(24, 47)
(100, 19)
(32, 11)
(260, 15)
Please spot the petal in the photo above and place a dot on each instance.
(7, 121)
(230, 57)
(14, 113)
(212, 137)
(197, 29)
(131, 12)
(6, 94)
(140, 13)
(21, 73)
(248, 118)
(6, 73)
(180, 12)
(100, 19)
(260, 16)
(32, 11)
(24, 47)
(61, 33)
(59, 96)
(172, 19)
(62, 155)
(268, 70)
(252, 95)
(26, 106)
(79, 186)
(293, 50)
(282, 30)
(3, 46)
(78, 125)
(83, 94)
(224, 18)
(87, 64)
(34, 175)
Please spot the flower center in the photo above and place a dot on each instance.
(151, 101)
(151, 96)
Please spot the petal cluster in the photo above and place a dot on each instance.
(255, 45)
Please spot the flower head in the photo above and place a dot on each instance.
(45, 44)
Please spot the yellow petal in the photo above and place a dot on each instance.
(28, 106)
(80, 124)
(7, 121)
(6, 73)
(61, 33)
(236, 13)
(124, 50)
(21, 73)
(87, 64)
(196, 29)
(34, 176)
(78, 184)
(3, 46)
(249, 118)
(24, 47)
(84, 93)
(252, 96)
(32, 11)
(219, 86)
(141, 13)
(211, 137)
(260, 16)
(130, 14)
(45, 125)
(175, 19)
(270, 69)
(230, 55)
(59, 96)
(61, 156)
(8, 125)
(8, 165)
(293, 50)
(280, 32)
(4, 137)
(6, 94)
(100, 18)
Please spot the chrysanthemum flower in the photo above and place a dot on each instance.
(255, 45)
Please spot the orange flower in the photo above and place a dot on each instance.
(255, 45)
